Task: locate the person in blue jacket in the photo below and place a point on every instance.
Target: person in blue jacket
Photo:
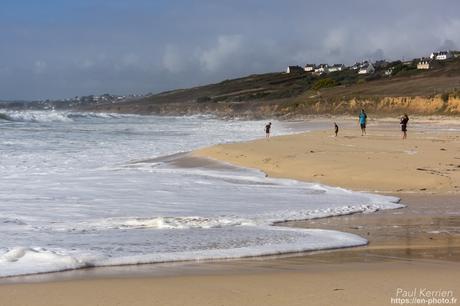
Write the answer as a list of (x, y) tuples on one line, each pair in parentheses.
[(362, 121)]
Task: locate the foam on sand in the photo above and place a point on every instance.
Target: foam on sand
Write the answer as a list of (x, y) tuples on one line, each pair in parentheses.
[(92, 191)]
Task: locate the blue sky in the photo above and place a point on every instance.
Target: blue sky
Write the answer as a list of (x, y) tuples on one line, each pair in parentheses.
[(59, 49)]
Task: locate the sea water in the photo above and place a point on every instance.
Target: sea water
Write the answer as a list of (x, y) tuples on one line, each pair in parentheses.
[(84, 189)]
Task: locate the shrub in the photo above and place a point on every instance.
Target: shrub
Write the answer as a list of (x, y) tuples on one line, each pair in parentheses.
[(324, 83), (445, 97), (203, 99)]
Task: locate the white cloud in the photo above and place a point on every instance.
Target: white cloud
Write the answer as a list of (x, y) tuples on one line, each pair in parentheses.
[(173, 60), (335, 39), (216, 57)]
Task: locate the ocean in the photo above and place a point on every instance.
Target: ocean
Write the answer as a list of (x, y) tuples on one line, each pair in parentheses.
[(84, 190)]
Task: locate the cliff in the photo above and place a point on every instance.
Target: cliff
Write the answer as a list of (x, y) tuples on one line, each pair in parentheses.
[(421, 92)]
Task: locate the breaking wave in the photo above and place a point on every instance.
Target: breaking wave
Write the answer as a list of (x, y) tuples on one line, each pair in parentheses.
[(53, 116)]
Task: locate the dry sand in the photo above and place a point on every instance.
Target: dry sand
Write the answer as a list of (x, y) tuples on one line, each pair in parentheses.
[(378, 162)]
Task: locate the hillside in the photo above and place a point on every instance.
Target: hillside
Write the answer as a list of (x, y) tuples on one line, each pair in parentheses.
[(434, 91)]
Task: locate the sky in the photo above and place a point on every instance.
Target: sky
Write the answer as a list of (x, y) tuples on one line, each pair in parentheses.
[(62, 48)]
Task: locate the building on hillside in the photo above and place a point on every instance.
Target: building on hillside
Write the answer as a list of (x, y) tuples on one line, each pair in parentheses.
[(336, 67), (366, 69), (309, 68), (443, 55), (389, 71), (355, 66), (294, 69), (322, 68), (424, 64)]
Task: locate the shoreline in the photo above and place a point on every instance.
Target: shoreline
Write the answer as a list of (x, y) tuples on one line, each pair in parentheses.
[(380, 162), (322, 278), (404, 245)]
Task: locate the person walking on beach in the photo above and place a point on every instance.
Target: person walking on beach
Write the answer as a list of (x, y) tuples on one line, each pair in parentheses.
[(362, 121), (267, 130), (336, 129), (403, 122)]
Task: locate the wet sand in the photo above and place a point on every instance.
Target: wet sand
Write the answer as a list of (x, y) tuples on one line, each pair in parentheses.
[(344, 284), (414, 247)]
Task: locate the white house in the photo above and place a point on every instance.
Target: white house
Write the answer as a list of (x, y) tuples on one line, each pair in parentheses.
[(443, 55), (322, 68), (424, 63), (389, 71), (294, 69), (309, 68), (336, 67), (433, 55), (356, 66), (366, 69)]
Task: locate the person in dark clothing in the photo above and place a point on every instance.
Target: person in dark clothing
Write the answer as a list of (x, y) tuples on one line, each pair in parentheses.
[(403, 122), (336, 129), (267, 129)]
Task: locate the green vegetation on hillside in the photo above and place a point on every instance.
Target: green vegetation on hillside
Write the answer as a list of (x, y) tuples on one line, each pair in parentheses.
[(302, 92)]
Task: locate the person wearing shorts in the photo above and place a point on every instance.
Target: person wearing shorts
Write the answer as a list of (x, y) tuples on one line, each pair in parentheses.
[(362, 121)]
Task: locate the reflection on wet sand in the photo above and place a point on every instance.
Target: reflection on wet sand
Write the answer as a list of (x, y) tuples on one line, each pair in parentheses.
[(428, 228)]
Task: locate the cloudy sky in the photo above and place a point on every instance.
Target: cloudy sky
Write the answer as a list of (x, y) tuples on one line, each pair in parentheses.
[(64, 48)]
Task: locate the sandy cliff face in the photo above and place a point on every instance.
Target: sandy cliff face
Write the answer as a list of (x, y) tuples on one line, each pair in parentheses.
[(438, 105), (418, 105)]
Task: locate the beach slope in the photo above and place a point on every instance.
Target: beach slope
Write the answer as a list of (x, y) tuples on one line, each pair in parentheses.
[(379, 162)]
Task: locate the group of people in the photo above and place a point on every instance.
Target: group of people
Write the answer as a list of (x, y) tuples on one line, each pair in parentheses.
[(362, 123)]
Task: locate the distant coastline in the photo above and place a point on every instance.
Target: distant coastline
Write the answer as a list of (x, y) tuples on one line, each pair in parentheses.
[(408, 88)]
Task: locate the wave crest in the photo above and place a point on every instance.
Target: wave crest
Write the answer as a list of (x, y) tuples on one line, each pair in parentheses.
[(52, 116)]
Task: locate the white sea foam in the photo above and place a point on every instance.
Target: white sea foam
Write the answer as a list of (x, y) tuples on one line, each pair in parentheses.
[(71, 196), (21, 261), (54, 116)]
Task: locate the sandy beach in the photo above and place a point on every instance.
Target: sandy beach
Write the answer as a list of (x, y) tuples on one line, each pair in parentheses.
[(415, 247), (426, 162)]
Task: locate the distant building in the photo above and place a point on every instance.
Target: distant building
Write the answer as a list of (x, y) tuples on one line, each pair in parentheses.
[(309, 67), (336, 67), (424, 63), (322, 68), (356, 66), (294, 69), (366, 69), (443, 55), (389, 71)]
